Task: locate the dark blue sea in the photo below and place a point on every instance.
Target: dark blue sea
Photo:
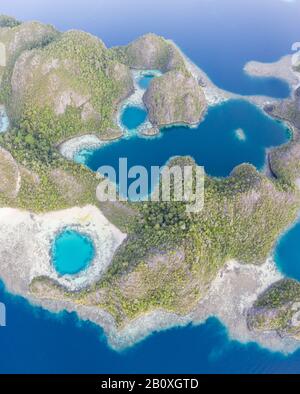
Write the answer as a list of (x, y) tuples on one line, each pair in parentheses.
[(214, 144), (220, 36)]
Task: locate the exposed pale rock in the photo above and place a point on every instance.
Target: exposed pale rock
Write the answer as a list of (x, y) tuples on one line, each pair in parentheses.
[(150, 132), (10, 179), (175, 98), (150, 52), (25, 36)]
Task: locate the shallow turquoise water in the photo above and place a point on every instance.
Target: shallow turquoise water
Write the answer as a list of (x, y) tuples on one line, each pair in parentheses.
[(287, 253), (72, 252), (213, 144), (132, 117), (145, 80)]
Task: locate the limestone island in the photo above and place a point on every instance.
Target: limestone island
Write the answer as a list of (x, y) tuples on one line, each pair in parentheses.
[(155, 265)]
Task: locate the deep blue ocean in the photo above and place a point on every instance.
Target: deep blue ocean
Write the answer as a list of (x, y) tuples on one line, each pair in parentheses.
[(220, 36)]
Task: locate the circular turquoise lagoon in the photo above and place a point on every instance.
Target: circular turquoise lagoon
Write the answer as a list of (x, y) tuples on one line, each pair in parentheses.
[(287, 253), (133, 116), (72, 252), (145, 80)]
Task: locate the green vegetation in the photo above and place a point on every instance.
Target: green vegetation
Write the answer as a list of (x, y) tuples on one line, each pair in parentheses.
[(285, 161), (18, 39), (56, 86), (175, 98), (9, 175), (171, 256), (282, 292), (150, 52), (277, 309), (68, 87), (8, 21)]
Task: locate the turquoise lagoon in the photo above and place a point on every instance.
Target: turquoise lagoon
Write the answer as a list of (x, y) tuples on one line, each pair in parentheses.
[(132, 117), (145, 80), (72, 252)]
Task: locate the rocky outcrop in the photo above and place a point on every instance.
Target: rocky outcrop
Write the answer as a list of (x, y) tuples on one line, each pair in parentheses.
[(74, 72), (15, 38), (10, 179), (286, 109), (284, 161), (277, 309), (150, 52), (153, 131), (19, 37), (8, 21), (174, 98)]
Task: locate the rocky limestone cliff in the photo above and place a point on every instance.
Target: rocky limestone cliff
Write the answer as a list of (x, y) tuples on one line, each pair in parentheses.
[(176, 97), (16, 37), (150, 52), (74, 72), (284, 161), (8, 21)]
